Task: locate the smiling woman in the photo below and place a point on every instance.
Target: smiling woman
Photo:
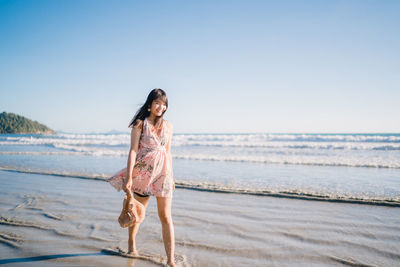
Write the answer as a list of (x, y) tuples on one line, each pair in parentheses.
[(156, 100), (149, 168)]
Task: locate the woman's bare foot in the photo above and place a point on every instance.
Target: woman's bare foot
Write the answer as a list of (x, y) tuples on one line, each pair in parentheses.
[(132, 249), (133, 252), (170, 264)]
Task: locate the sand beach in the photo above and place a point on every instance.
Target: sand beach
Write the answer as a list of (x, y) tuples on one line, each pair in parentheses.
[(59, 221)]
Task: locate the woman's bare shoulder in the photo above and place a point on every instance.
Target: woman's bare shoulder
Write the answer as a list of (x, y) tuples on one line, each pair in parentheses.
[(169, 125), (138, 125)]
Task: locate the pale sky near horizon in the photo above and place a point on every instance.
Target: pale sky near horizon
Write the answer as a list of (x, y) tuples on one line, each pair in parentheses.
[(227, 66)]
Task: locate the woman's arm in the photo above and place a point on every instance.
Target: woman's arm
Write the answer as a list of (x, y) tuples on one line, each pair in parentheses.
[(169, 149), (135, 137)]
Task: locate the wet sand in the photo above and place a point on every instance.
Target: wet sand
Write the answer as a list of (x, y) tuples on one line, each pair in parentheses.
[(52, 220)]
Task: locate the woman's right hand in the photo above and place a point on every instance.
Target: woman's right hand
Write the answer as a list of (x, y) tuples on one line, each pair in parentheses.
[(127, 186)]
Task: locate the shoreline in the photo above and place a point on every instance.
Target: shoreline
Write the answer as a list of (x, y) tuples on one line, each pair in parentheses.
[(207, 187)]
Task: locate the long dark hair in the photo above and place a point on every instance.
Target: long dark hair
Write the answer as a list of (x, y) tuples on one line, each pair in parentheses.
[(143, 112)]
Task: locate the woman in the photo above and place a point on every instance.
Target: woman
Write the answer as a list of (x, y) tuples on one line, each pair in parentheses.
[(149, 167)]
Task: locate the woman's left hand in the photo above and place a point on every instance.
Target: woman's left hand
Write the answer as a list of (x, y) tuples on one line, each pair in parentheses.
[(127, 186)]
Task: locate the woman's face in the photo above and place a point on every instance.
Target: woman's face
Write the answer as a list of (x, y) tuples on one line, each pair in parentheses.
[(158, 107)]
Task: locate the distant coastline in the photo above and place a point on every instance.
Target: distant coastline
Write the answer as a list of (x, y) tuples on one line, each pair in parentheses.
[(11, 123)]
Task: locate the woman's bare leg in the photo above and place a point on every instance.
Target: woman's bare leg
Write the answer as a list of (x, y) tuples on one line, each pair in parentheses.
[(164, 212), (133, 230)]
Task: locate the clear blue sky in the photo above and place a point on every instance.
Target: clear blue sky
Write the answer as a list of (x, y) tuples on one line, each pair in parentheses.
[(227, 66)]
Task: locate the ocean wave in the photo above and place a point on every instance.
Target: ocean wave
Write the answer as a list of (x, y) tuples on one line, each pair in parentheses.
[(203, 139), (222, 188), (292, 145), (310, 161), (381, 138), (97, 145), (108, 140), (117, 145), (94, 151), (73, 151), (273, 157)]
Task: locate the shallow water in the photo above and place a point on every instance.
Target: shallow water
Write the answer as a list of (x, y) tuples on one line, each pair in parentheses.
[(73, 221), (359, 185), (362, 167)]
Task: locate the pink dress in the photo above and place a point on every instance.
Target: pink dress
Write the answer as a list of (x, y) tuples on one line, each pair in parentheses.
[(152, 173)]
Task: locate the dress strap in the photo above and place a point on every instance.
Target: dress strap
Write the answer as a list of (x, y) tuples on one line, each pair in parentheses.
[(146, 123)]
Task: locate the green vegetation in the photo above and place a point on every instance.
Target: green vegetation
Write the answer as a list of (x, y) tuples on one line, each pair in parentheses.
[(11, 123)]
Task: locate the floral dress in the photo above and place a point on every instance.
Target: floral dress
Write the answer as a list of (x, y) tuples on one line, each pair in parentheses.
[(152, 173)]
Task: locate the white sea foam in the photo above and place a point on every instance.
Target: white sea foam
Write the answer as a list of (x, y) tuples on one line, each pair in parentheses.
[(297, 160), (268, 159), (363, 142), (355, 150), (94, 151), (395, 138), (292, 145), (72, 139)]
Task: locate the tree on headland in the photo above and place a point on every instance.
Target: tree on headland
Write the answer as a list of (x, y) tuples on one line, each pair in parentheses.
[(11, 123)]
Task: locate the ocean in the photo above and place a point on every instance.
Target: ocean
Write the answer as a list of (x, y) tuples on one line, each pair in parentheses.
[(334, 167), (240, 200)]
